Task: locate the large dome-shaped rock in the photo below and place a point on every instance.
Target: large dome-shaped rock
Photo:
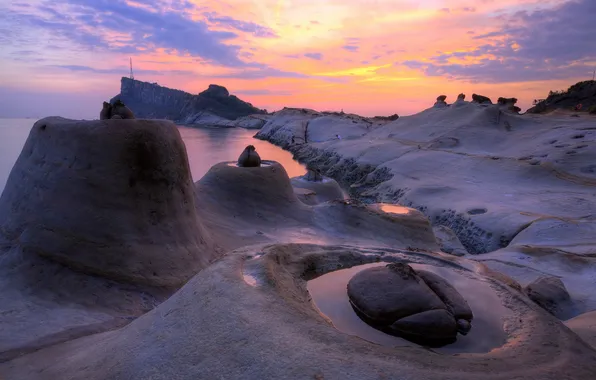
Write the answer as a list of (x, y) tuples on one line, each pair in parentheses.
[(550, 293), (112, 198), (421, 307), (250, 191)]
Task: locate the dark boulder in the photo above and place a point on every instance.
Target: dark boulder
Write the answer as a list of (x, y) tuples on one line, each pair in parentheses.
[(419, 306), (481, 99)]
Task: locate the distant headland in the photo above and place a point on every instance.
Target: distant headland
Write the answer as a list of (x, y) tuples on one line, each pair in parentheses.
[(152, 101)]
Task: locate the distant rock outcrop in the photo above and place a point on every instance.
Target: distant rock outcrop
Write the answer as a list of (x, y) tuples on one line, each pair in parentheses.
[(581, 95), (152, 101), (481, 99), (440, 103)]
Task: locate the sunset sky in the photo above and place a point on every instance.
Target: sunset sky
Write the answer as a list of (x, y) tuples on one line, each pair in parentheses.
[(372, 57)]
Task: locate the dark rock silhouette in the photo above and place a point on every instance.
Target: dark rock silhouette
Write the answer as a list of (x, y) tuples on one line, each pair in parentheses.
[(106, 111), (152, 101), (121, 111), (249, 158), (481, 99), (581, 93)]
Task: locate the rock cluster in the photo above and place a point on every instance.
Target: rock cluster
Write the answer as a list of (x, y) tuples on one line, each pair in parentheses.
[(118, 110), (481, 99), (416, 305)]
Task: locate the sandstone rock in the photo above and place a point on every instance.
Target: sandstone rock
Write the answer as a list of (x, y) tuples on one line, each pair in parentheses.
[(419, 306), (584, 325), (219, 327), (386, 294), (433, 325), (461, 96), (249, 158), (120, 109), (105, 200), (448, 241), (481, 99), (441, 98), (550, 293), (320, 189), (456, 304)]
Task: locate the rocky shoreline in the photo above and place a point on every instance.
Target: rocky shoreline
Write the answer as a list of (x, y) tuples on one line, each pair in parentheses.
[(115, 265), (499, 189)]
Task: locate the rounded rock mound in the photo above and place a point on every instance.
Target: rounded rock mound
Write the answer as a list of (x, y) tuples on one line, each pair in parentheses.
[(112, 198), (418, 306)]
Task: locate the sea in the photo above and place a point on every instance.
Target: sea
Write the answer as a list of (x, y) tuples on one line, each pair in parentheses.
[(205, 146)]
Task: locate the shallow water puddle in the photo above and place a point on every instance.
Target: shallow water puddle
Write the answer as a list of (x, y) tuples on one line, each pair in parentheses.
[(329, 294), (395, 209), (264, 164)]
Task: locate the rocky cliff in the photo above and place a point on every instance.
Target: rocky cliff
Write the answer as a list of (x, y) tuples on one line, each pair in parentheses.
[(152, 101), (583, 93)]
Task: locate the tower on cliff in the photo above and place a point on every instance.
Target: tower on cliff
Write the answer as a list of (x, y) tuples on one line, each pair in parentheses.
[(131, 74)]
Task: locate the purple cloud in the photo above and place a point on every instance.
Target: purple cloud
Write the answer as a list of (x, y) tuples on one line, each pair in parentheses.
[(554, 43), (87, 23), (316, 56), (243, 26)]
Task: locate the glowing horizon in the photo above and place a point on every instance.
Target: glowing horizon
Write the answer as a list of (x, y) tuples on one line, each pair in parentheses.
[(367, 57)]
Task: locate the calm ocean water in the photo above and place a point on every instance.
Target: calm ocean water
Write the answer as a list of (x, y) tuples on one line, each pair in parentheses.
[(205, 147)]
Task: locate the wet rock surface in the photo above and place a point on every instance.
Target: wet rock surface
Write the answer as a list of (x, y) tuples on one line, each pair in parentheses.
[(419, 306)]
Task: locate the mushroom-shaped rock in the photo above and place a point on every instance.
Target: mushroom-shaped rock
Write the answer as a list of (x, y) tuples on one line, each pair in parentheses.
[(461, 96), (109, 201), (440, 103), (396, 299), (550, 293), (249, 158), (481, 99), (120, 109), (507, 101)]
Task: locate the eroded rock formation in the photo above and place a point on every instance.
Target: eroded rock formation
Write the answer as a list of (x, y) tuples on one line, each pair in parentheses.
[(419, 306)]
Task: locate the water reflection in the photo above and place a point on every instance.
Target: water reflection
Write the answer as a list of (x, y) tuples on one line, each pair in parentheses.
[(205, 146), (209, 146), (329, 293), (395, 209)]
